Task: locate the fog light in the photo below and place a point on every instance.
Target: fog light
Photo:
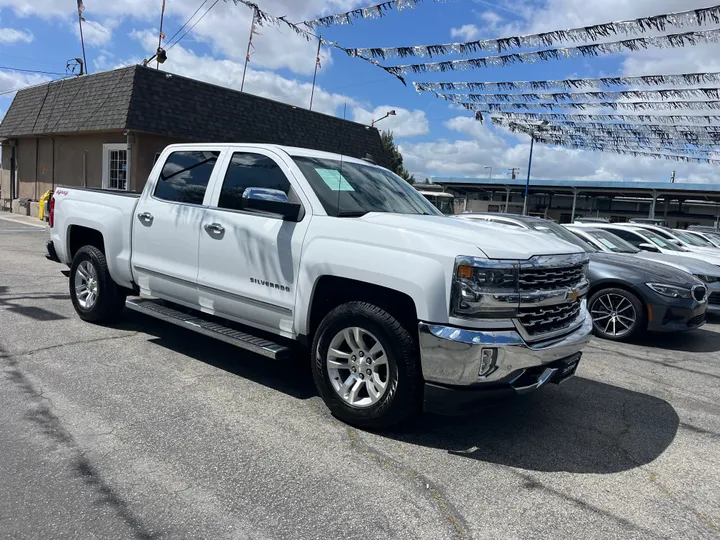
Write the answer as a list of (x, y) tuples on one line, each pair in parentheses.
[(488, 359)]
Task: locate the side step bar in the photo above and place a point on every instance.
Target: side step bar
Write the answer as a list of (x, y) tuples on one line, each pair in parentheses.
[(154, 308)]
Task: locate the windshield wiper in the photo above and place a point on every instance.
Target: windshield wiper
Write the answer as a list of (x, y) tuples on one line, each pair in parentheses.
[(357, 213)]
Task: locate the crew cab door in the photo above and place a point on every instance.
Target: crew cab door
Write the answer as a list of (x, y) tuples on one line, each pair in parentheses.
[(249, 260), (167, 224)]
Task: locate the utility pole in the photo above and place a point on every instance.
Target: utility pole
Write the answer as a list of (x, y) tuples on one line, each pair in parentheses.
[(672, 178), (513, 172)]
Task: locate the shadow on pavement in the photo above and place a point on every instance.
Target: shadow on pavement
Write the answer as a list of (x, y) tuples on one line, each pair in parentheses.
[(700, 341), (583, 426), (293, 379)]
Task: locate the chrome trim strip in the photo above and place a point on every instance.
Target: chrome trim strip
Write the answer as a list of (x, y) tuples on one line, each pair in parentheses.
[(232, 296), (542, 379)]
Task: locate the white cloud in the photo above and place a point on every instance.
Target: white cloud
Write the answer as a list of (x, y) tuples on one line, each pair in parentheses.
[(13, 35), (467, 32), (263, 83), (403, 124), (96, 33), (14, 80)]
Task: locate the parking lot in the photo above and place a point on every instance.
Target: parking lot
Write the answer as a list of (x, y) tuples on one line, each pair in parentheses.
[(142, 431)]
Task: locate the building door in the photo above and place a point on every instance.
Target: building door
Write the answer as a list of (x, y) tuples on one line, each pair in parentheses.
[(115, 173)]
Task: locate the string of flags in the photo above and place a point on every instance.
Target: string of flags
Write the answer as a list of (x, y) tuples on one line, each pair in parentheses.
[(690, 18), (370, 12), (632, 118), (613, 105)]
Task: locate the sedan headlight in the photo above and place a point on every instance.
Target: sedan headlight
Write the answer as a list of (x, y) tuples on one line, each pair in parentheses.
[(483, 288), (671, 291)]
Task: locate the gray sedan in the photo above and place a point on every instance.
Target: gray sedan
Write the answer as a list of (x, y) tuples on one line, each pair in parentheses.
[(608, 242)]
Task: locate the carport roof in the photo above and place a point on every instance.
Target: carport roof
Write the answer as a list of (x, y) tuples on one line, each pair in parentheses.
[(702, 191)]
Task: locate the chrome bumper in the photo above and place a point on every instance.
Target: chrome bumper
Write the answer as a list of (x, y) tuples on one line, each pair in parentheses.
[(454, 356)]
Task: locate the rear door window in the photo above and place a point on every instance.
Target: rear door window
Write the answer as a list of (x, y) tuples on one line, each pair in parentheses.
[(185, 176)]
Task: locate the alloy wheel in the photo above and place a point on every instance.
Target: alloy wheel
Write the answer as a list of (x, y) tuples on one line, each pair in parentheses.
[(358, 367), (613, 314), (86, 284)]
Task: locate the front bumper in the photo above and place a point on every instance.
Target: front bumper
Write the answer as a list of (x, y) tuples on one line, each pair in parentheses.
[(454, 358), (677, 315)]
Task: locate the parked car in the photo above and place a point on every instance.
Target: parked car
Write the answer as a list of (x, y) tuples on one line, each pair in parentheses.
[(648, 240), (682, 239), (591, 220), (627, 295), (649, 221), (712, 237), (269, 247), (608, 242)]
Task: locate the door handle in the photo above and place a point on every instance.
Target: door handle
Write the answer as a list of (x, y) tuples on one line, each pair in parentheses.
[(214, 228), (145, 216)]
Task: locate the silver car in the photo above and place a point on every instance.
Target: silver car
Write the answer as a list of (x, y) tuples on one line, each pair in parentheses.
[(608, 242)]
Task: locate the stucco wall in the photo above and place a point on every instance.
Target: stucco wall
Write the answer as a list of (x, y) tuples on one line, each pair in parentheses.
[(145, 147)]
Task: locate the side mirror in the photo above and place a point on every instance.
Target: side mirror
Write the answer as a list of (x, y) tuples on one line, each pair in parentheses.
[(271, 201), (649, 247)]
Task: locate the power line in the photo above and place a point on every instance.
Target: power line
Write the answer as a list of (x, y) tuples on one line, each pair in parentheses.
[(186, 22), (193, 26), (32, 71), (27, 87)]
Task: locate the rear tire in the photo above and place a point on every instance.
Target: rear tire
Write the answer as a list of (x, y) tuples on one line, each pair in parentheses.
[(618, 314), (95, 296), (371, 376)]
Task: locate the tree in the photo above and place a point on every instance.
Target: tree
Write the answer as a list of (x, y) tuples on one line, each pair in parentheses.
[(395, 157)]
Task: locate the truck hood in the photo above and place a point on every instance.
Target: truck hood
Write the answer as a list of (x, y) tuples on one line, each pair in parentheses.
[(495, 241)]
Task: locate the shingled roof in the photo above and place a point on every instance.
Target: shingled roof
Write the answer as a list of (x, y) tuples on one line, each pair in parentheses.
[(147, 100)]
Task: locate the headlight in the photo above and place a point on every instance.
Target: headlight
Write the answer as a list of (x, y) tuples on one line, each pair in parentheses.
[(483, 288), (671, 291), (707, 279)]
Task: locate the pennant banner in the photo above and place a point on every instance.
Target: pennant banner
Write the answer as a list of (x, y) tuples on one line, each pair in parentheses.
[(621, 149), (684, 19), (370, 12), (594, 49), (631, 118), (690, 134), (613, 105), (688, 79), (557, 97)]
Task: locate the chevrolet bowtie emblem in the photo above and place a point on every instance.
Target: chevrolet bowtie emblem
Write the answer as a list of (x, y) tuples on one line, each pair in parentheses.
[(573, 295)]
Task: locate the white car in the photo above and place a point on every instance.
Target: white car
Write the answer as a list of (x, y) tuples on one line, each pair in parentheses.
[(648, 240), (712, 237), (609, 242), (278, 250), (681, 238)]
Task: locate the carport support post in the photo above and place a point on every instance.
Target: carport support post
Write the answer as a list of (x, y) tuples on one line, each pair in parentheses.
[(651, 215), (572, 214), (507, 198)]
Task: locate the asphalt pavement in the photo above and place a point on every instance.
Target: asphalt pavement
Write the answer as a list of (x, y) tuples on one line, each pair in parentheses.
[(141, 430)]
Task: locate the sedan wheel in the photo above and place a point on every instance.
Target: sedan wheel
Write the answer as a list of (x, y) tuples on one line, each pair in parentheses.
[(617, 314)]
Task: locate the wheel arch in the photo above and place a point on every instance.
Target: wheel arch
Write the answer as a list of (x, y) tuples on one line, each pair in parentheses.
[(614, 284)]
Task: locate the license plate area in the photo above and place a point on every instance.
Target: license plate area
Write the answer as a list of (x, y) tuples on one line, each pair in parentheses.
[(566, 368)]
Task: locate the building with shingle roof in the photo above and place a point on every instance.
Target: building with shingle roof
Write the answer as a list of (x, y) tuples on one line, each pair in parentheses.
[(106, 129)]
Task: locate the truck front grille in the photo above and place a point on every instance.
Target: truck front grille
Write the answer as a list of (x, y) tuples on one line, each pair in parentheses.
[(544, 279), (537, 321)]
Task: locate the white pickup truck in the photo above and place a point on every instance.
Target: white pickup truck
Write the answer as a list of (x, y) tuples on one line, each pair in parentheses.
[(265, 246)]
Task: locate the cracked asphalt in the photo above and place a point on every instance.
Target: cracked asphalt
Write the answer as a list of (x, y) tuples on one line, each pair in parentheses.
[(142, 431)]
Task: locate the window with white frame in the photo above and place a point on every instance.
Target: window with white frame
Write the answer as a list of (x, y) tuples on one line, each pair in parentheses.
[(115, 173)]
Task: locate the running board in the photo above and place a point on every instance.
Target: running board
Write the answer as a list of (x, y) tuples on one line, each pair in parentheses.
[(257, 345)]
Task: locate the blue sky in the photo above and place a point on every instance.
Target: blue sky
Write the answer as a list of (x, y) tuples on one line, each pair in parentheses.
[(435, 138)]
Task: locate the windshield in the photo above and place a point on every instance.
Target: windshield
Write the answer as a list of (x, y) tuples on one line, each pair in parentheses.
[(562, 233), (348, 189), (662, 242), (445, 205), (692, 239), (714, 238), (613, 242)]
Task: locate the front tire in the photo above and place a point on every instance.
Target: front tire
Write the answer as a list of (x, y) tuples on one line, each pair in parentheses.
[(366, 366), (618, 315), (95, 296)]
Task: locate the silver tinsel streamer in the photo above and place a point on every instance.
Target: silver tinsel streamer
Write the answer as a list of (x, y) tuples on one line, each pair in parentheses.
[(696, 135), (684, 19), (594, 49), (599, 147), (613, 105), (588, 97), (371, 12), (632, 118), (687, 79)]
